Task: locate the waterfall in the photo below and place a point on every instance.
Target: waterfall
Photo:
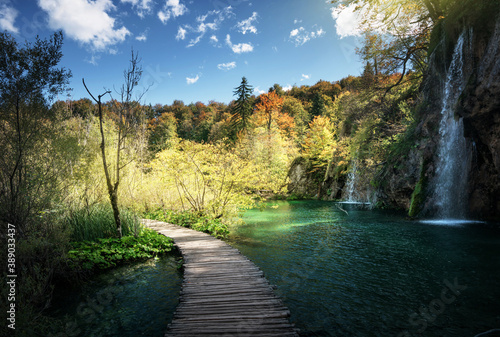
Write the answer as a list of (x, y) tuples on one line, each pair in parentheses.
[(355, 191), (450, 182), (351, 196)]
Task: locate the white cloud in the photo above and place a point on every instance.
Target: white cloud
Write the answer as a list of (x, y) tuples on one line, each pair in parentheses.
[(8, 16), (227, 66), (86, 22), (300, 35), (305, 77), (246, 26), (172, 8), (143, 7), (297, 21), (287, 88), (347, 21), (260, 92), (202, 26), (351, 21), (93, 60), (240, 47), (295, 32), (317, 33), (191, 80), (181, 34), (143, 37)]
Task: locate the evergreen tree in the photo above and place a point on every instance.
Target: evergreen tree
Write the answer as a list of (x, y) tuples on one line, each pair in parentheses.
[(243, 107)]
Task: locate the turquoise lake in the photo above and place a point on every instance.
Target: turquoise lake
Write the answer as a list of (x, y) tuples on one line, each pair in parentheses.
[(344, 270)]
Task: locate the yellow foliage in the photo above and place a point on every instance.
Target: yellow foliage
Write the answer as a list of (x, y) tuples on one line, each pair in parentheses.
[(205, 178)]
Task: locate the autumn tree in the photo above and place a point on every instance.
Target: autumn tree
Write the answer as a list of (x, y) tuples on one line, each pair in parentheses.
[(161, 129), (29, 79), (82, 107), (184, 116), (243, 106), (293, 107), (208, 179), (318, 145), (270, 105), (127, 117)]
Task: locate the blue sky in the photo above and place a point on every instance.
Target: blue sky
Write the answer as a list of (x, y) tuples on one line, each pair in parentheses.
[(192, 50)]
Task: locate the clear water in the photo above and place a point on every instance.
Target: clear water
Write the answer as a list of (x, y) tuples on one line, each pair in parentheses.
[(129, 301), (360, 272)]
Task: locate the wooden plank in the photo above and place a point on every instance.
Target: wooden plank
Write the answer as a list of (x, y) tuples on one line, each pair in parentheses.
[(223, 292), (217, 290), (262, 305), (232, 316)]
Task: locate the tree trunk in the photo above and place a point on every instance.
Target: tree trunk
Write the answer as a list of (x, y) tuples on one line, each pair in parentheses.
[(434, 9), (113, 198)]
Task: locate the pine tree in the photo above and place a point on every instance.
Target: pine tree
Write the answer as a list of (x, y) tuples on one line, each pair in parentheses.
[(243, 107)]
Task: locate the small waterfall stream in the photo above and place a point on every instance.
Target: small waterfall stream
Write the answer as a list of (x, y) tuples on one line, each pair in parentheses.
[(450, 182), (351, 195), (355, 191)]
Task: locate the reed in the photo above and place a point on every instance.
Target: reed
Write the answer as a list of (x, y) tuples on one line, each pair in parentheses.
[(95, 222)]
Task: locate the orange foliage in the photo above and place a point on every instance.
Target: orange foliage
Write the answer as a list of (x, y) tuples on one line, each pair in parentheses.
[(270, 104), (286, 124)]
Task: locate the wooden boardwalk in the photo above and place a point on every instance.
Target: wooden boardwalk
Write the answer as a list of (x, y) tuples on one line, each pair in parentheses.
[(223, 293)]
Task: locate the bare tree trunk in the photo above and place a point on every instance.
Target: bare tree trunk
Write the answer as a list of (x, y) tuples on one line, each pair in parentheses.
[(112, 190), (125, 125)]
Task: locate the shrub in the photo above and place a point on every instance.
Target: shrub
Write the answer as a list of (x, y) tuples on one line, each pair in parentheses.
[(110, 252), (189, 219)]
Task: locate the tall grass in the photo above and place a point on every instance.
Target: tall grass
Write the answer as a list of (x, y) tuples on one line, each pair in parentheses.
[(97, 221)]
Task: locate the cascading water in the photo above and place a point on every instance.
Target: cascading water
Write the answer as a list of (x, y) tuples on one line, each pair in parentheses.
[(355, 191), (351, 195), (450, 182)]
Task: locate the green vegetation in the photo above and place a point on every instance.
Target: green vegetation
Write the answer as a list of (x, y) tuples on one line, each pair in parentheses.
[(97, 222), (188, 219), (107, 253)]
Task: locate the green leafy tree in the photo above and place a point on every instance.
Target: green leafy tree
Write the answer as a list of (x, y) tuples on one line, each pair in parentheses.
[(162, 129), (293, 107), (277, 89), (243, 106), (29, 79)]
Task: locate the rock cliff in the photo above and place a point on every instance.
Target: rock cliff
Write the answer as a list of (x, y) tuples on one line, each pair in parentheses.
[(479, 106), (407, 184)]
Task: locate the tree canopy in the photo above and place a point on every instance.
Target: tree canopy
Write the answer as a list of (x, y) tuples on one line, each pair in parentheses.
[(29, 78)]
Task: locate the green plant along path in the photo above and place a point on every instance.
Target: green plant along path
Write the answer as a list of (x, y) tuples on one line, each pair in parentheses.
[(107, 253)]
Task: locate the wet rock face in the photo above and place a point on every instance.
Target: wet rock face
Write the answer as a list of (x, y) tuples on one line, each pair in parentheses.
[(302, 183), (480, 108)]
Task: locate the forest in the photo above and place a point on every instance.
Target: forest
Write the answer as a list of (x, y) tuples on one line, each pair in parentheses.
[(77, 175)]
